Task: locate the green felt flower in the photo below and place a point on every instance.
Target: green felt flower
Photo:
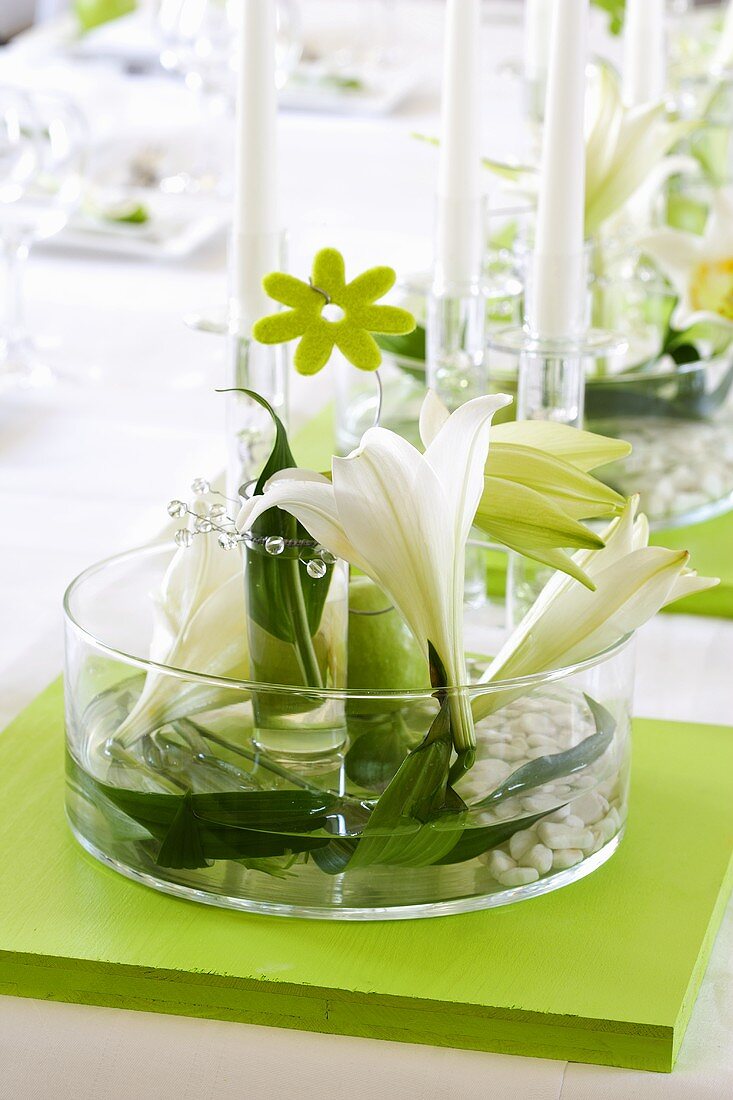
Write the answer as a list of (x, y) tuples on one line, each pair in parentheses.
[(330, 312)]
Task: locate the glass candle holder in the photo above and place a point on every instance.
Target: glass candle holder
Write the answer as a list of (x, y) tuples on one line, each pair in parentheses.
[(195, 806), (249, 427)]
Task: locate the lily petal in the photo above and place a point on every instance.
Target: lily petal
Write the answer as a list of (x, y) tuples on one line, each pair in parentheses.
[(311, 500), (458, 455), (581, 494), (584, 450), (676, 252)]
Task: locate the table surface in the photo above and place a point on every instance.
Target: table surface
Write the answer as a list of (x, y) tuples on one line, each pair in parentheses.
[(86, 469)]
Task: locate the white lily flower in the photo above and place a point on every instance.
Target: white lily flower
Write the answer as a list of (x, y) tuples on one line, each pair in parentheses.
[(699, 267), (200, 626), (722, 59), (625, 149), (537, 487), (403, 518), (568, 623)]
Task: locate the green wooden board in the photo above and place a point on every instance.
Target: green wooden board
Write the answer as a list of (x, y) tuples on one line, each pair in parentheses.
[(604, 971), (709, 543)]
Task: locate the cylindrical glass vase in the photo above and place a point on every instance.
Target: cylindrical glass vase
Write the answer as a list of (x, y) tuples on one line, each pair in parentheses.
[(297, 618), (195, 806)]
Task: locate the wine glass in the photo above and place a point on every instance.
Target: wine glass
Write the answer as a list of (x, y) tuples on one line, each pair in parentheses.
[(42, 153), (198, 41)]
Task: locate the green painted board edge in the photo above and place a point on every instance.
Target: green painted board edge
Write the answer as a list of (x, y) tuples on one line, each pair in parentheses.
[(90, 936), (710, 543)]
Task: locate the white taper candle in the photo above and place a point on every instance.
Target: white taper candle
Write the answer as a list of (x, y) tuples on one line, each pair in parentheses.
[(558, 274), (255, 228), (645, 52), (537, 24), (458, 246)]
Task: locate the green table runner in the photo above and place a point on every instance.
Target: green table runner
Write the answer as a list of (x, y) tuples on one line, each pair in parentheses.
[(603, 971)]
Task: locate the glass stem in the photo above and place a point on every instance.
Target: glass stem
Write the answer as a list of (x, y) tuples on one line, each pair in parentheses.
[(456, 336), (15, 251), (302, 640)]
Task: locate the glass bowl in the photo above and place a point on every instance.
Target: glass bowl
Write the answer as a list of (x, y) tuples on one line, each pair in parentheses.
[(172, 789)]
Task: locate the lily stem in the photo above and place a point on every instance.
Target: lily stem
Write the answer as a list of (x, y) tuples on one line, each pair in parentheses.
[(464, 734), (298, 614)]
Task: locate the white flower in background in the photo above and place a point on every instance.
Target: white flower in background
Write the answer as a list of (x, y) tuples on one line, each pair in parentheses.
[(199, 626), (700, 268), (626, 149), (568, 623), (403, 518), (722, 58)]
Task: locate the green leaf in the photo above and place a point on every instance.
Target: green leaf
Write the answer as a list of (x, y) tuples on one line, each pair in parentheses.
[(335, 857), (474, 842), (533, 525), (546, 769), (195, 829), (182, 845), (410, 346), (283, 599), (418, 818)]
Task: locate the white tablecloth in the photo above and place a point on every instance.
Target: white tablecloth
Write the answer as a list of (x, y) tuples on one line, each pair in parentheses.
[(86, 470)]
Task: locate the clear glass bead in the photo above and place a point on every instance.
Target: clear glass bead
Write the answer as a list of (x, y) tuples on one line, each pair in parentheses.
[(227, 541), (177, 508), (316, 568), (183, 537), (203, 525), (326, 556), (275, 545), (216, 511), (200, 486)]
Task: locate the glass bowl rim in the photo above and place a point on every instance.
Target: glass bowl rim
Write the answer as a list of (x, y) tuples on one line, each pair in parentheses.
[(247, 686)]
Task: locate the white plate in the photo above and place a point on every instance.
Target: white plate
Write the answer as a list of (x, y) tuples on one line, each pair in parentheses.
[(177, 227)]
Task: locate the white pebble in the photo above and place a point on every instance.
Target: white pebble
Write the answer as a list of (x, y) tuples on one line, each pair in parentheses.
[(521, 842), (560, 836), (516, 751), (563, 858), (537, 803), (538, 857), (511, 751), (518, 876), (590, 807), (538, 740), (537, 724), (559, 815), (583, 781), (572, 821), (499, 862)]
